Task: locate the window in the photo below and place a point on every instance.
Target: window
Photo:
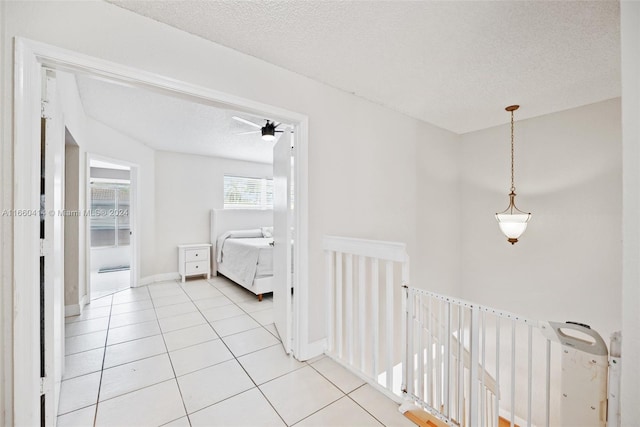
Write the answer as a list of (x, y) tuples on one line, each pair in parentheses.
[(109, 215), (248, 193)]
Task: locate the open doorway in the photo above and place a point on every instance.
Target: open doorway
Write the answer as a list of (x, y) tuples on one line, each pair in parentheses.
[(110, 230), (40, 56)]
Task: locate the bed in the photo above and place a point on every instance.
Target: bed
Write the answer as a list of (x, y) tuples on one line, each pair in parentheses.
[(241, 252)]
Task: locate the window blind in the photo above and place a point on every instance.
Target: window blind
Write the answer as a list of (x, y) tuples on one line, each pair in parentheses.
[(247, 193)]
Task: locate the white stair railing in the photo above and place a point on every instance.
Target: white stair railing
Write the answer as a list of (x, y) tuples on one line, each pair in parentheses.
[(466, 364), (366, 313)]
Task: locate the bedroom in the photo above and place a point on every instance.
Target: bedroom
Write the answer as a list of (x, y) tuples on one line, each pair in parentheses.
[(201, 168), (421, 164)]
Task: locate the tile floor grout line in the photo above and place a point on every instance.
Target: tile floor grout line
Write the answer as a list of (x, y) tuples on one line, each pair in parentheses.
[(345, 393), (363, 408), (175, 376), (235, 357), (104, 356), (242, 367), (315, 412)]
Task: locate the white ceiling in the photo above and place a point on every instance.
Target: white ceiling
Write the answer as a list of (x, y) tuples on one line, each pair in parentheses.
[(166, 123), (455, 64)]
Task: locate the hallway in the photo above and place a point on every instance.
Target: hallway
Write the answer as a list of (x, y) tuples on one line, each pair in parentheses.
[(203, 353)]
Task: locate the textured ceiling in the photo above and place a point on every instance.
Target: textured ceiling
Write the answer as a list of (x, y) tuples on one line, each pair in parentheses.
[(454, 64), (172, 124)]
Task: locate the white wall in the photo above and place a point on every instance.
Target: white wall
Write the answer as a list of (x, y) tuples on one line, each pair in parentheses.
[(108, 142), (187, 188), (436, 261), (362, 156), (75, 258), (630, 32), (567, 265)]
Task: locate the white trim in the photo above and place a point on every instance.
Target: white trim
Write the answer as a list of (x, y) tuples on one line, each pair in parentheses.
[(135, 219), (72, 310), (26, 237), (75, 309), (30, 57), (314, 349), (156, 278), (389, 251)]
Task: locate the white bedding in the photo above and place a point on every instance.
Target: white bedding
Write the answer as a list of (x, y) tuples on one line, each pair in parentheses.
[(247, 258)]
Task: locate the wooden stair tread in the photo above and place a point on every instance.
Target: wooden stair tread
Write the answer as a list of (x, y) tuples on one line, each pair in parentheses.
[(503, 422), (424, 419)]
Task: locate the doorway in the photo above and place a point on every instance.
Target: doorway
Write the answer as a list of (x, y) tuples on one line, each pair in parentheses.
[(110, 227), (32, 58)]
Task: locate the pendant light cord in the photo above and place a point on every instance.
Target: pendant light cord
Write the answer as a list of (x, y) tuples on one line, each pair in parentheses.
[(513, 186)]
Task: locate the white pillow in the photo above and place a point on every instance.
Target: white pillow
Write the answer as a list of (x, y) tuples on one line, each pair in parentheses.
[(244, 234), (267, 232)]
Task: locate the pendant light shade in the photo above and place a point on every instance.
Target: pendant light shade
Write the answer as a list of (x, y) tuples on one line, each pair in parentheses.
[(512, 221)]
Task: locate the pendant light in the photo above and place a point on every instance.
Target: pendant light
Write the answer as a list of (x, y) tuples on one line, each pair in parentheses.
[(512, 221)]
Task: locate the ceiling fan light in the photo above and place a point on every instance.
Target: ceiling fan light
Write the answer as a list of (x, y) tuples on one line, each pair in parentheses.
[(269, 132)]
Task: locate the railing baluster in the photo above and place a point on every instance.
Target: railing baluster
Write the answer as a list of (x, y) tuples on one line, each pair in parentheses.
[(408, 357), (330, 279), (389, 323), (548, 391), (375, 330), (496, 403), (349, 306), (447, 355), (362, 310), (421, 351), (439, 358), (530, 372), (339, 308), (406, 375), (483, 403), (460, 363), (430, 355), (513, 372), (474, 347)]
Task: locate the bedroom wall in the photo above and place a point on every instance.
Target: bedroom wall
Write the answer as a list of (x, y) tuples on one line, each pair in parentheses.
[(187, 188), (94, 137), (567, 265)]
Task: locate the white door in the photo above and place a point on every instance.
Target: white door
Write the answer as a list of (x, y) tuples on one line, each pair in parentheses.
[(52, 255), (282, 221)]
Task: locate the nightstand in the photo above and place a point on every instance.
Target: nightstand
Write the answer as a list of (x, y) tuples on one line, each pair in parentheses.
[(194, 260)]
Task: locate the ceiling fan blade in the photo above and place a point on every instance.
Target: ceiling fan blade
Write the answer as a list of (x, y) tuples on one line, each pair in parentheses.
[(246, 122), (248, 133)]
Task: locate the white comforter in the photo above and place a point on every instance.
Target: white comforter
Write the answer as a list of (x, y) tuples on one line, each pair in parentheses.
[(247, 258)]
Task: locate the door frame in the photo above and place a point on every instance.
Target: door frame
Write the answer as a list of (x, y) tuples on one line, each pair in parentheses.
[(134, 220), (30, 57)]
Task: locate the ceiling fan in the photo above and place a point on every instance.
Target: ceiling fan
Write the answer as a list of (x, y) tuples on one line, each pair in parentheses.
[(268, 131)]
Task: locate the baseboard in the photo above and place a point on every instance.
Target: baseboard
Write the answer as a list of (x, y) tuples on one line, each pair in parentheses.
[(312, 349), (158, 278), (72, 310), (75, 309)]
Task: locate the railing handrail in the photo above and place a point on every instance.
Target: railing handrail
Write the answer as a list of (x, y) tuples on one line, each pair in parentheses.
[(464, 303), (391, 251)]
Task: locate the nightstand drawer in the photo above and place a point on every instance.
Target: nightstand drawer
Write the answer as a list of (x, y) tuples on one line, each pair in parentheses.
[(197, 267), (196, 255)]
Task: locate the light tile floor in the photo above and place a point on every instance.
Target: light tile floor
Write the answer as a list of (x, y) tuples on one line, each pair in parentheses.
[(202, 353)]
